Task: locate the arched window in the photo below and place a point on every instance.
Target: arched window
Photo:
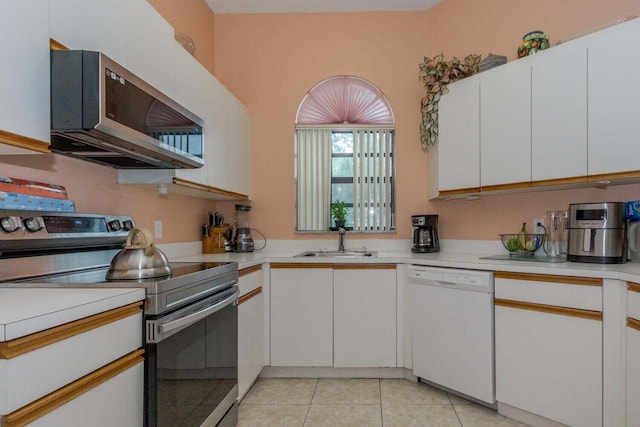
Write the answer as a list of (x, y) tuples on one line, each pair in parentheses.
[(344, 153)]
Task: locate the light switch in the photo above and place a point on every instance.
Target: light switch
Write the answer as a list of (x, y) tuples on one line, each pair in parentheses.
[(157, 229)]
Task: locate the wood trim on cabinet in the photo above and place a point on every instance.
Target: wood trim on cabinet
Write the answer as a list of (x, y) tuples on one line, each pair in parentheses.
[(249, 270), (551, 309), (364, 266), (559, 181), (459, 192), (633, 323), (502, 187), (246, 297), (633, 287), (22, 345), (210, 189), (22, 141), (569, 280), (300, 265), (54, 400), (56, 45), (614, 176)]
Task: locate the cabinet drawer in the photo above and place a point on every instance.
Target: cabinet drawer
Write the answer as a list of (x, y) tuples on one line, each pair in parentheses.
[(250, 278), (109, 396), (71, 351), (563, 291)]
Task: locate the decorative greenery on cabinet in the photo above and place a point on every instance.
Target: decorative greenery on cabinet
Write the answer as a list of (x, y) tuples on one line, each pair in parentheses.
[(435, 73)]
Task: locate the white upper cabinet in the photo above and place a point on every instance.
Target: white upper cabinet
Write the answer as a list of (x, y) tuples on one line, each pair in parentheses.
[(149, 46), (559, 114), (458, 150), (100, 26), (24, 75), (217, 135), (505, 126), (191, 93), (614, 94), (240, 147)]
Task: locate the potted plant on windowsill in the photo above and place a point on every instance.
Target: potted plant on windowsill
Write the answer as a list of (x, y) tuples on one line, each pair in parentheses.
[(339, 213)]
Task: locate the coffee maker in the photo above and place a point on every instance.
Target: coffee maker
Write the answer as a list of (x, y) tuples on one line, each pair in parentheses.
[(242, 241), (425, 233)]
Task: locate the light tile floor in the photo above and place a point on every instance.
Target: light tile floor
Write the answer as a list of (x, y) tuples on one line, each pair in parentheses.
[(360, 402)]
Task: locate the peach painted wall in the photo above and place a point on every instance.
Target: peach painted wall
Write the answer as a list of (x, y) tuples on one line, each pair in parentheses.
[(270, 61), (94, 188), (194, 19)]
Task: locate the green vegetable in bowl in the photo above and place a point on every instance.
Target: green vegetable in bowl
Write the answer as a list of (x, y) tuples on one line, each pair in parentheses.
[(513, 244)]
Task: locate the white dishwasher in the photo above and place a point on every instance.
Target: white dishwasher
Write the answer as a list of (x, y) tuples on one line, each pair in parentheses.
[(452, 319)]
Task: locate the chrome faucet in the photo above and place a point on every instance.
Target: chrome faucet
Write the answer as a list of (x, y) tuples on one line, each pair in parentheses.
[(341, 233)]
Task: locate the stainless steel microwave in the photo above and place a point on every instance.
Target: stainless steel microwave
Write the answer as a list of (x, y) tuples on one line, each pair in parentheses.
[(102, 113)]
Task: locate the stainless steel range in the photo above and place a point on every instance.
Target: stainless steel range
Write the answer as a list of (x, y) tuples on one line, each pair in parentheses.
[(191, 363)]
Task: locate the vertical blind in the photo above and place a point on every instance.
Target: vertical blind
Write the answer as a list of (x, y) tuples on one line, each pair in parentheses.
[(372, 178), (313, 173)]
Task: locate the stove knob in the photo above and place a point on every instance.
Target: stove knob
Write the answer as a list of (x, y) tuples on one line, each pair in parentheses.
[(128, 225), (115, 225), (33, 224), (10, 224)]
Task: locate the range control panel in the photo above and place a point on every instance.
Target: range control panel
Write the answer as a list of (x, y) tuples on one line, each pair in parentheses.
[(34, 230)]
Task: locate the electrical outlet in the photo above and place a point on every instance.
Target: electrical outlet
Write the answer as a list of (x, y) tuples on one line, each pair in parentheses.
[(157, 229), (537, 229)]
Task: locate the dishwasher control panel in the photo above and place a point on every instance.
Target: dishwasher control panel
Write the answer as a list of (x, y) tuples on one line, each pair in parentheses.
[(467, 279)]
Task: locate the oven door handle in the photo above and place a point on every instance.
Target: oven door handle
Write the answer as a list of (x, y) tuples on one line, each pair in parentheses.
[(167, 328)]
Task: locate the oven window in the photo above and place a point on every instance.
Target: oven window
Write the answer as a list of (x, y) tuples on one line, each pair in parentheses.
[(190, 373)]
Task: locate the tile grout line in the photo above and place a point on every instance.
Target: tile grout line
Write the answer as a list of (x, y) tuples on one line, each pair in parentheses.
[(315, 389)]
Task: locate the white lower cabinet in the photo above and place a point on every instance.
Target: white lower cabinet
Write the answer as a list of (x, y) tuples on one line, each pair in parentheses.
[(87, 372), (301, 315), (333, 315), (250, 328), (633, 355), (116, 402), (364, 315), (548, 339)]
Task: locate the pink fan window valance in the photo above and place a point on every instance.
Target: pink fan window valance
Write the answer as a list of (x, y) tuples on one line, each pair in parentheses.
[(344, 100)]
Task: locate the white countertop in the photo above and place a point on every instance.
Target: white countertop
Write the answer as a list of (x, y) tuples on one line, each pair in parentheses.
[(628, 271), (24, 311)]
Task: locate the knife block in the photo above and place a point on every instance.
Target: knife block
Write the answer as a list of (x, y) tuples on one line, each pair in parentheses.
[(214, 244)]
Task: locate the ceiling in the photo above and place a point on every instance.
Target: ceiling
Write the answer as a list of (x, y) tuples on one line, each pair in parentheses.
[(315, 6)]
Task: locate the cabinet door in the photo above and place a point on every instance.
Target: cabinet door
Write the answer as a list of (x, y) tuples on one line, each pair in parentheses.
[(633, 374), (505, 127), (301, 316), (614, 90), (97, 26), (149, 45), (559, 115), (459, 136), (240, 147), (24, 75), (549, 365), (364, 302), (191, 91), (250, 341), (216, 138), (116, 402)]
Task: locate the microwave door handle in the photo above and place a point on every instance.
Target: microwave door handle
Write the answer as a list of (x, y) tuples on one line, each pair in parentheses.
[(185, 321), (586, 240)]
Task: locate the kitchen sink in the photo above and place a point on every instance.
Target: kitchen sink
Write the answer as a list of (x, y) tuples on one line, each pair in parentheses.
[(339, 254)]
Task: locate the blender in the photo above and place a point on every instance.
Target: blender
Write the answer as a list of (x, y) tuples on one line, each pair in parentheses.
[(242, 241)]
